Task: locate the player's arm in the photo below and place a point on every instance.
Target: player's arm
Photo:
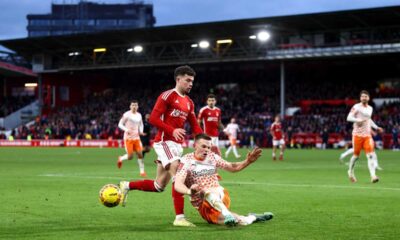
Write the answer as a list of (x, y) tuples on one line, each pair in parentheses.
[(226, 131), (141, 126), (352, 118), (374, 126), (180, 179), (199, 117), (121, 124), (239, 166), (196, 129), (271, 130), (221, 126), (155, 116)]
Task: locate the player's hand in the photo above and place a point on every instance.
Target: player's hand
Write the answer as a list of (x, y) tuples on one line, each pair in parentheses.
[(254, 155), (179, 134), (380, 130), (143, 134), (195, 189)]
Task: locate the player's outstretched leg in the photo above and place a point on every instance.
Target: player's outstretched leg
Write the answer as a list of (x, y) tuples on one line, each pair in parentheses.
[(372, 164), (263, 217), (216, 202), (345, 154), (123, 158), (179, 203), (350, 172), (142, 185)]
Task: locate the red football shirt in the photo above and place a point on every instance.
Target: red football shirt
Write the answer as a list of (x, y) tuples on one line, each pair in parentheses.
[(170, 112), (276, 129), (210, 117)]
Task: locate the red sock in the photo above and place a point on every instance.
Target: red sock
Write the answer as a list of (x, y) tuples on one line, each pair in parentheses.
[(143, 185), (179, 201)]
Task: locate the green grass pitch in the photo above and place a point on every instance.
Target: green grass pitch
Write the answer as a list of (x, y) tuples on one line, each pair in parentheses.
[(52, 193)]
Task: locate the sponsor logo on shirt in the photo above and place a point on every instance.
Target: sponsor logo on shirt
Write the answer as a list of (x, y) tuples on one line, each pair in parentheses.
[(212, 119), (179, 113)]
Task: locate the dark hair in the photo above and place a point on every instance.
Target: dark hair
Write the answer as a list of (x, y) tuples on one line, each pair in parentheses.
[(211, 96), (364, 92), (182, 70), (134, 101), (202, 136)]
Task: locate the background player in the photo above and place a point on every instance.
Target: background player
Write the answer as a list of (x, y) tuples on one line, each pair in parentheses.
[(197, 177), (132, 125), (350, 151), (210, 118), (172, 109), (360, 115), (232, 130), (277, 138)]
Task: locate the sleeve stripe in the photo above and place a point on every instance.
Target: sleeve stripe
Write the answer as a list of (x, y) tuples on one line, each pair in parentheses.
[(166, 94)]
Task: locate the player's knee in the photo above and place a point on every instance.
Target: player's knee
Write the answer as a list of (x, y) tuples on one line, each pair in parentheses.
[(371, 155)]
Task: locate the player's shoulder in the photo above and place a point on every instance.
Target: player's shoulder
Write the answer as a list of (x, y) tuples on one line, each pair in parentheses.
[(189, 99), (166, 94), (357, 105), (203, 109), (187, 157), (127, 113), (214, 156)]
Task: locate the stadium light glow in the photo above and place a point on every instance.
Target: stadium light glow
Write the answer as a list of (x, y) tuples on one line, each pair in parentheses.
[(31, 84), (194, 45), (204, 44), (99, 50), (253, 37), (263, 36), (138, 49), (74, 54), (224, 41)]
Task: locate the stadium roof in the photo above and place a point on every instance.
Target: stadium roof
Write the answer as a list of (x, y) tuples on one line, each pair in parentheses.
[(294, 36), (321, 22), (10, 70)]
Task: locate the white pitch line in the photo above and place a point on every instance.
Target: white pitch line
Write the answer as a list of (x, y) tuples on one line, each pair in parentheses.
[(238, 183), (310, 185)]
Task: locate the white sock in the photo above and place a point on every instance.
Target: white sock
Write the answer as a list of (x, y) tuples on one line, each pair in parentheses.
[(352, 163), (235, 151), (215, 201), (372, 163), (180, 216), (347, 152), (141, 165), (124, 157), (246, 220), (273, 154), (228, 151)]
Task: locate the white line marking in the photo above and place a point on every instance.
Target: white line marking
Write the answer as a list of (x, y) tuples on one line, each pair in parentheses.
[(237, 183), (310, 185)]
